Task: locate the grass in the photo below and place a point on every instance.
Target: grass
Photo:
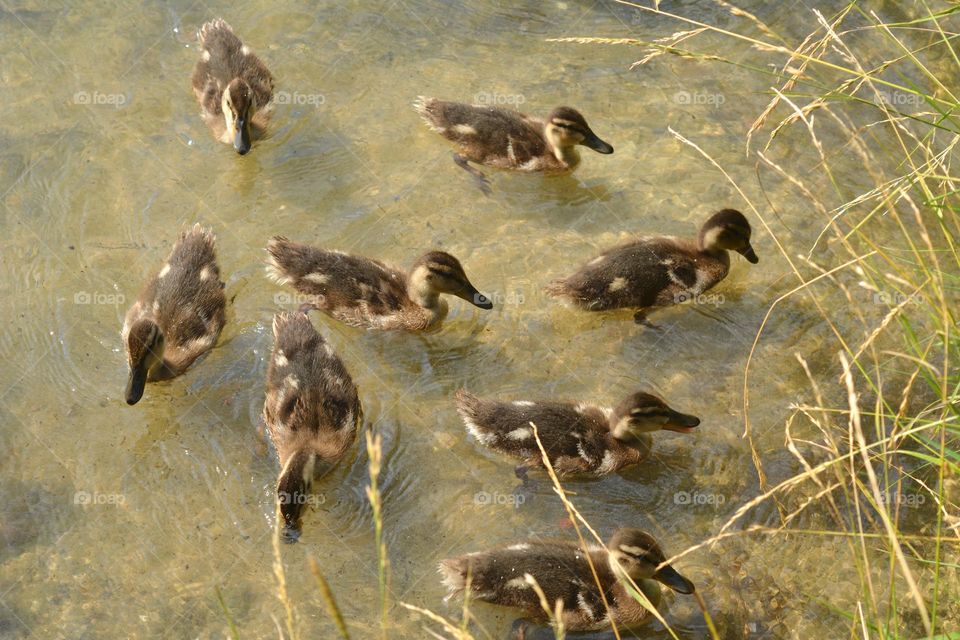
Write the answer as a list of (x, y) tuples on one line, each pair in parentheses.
[(875, 100)]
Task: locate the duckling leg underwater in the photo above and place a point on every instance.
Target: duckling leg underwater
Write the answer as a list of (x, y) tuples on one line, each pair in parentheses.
[(481, 179)]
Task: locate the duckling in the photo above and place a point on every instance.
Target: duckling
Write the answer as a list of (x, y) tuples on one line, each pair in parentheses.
[(367, 293), (658, 271), (507, 139), (578, 438), (561, 568), (178, 316), (233, 86), (311, 409)]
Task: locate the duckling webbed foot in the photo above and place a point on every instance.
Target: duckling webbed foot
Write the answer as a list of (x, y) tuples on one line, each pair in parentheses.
[(481, 179), (640, 317)]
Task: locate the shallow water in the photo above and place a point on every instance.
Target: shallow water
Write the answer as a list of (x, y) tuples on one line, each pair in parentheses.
[(121, 521)]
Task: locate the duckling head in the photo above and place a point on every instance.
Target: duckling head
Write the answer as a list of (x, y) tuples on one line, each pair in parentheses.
[(728, 229), (439, 272), (239, 106), (566, 128), (643, 413), (144, 353), (637, 554), (295, 489)]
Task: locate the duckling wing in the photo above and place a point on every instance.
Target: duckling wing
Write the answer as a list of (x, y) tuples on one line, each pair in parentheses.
[(187, 297), (645, 273), (353, 288), (486, 135), (559, 568), (571, 435)]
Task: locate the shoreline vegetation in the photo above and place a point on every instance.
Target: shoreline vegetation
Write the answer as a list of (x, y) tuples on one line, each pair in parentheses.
[(875, 435)]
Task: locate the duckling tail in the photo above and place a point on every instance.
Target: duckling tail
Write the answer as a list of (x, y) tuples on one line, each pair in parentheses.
[(454, 572)]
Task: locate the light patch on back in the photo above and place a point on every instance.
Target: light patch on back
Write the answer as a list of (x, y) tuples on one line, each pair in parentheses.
[(245, 50), (206, 56), (317, 278), (597, 260), (523, 546), (483, 437), (608, 464), (164, 271), (464, 129), (280, 359), (291, 381), (524, 403), (517, 583), (520, 434), (206, 273), (586, 608), (617, 284)]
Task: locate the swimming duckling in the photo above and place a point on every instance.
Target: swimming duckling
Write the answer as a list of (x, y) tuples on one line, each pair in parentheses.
[(507, 139), (311, 409), (178, 316), (658, 271), (367, 293), (563, 572), (578, 438), (233, 86)]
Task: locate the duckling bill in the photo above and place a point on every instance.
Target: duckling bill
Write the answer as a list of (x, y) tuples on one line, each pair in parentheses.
[(178, 315), (563, 572), (234, 87), (368, 293), (507, 139), (658, 271), (580, 439), (312, 411)]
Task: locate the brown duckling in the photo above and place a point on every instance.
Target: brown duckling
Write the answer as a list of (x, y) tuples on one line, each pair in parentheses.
[(178, 315), (658, 271), (498, 576), (312, 412), (507, 139), (579, 439), (367, 293), (233, 86)]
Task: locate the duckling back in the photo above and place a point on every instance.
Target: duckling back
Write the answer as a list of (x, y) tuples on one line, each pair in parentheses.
[(311, 398)]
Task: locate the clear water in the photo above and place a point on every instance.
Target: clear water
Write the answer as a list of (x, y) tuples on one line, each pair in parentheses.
[(120, 521)]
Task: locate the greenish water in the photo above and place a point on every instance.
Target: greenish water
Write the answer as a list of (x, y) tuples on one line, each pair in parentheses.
[(104, 159)]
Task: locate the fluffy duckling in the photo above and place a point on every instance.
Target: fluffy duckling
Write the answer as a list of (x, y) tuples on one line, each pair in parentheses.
[(658, 271), (563, 572), (233, 87), (579, 439), (367, 293), (311, 409), (178, 316), (507, 139)]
